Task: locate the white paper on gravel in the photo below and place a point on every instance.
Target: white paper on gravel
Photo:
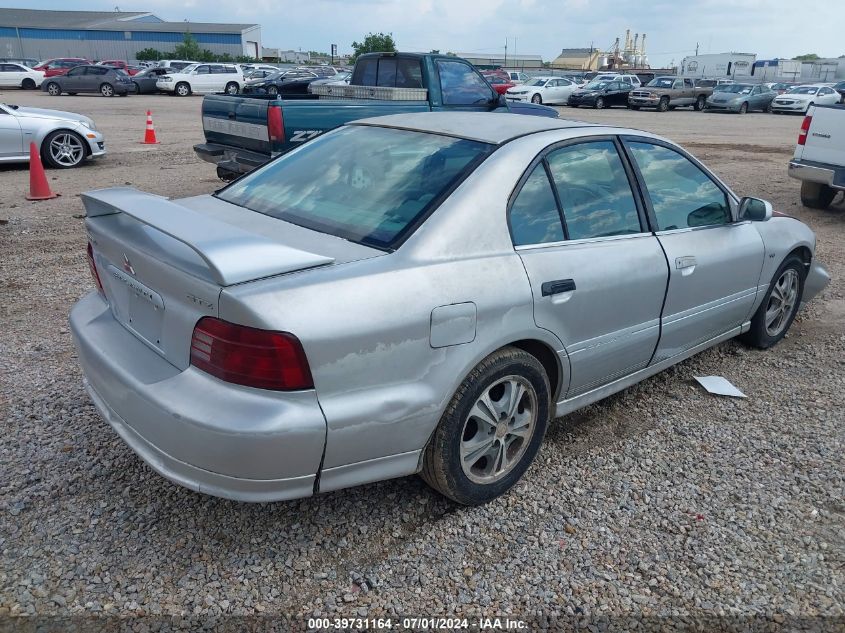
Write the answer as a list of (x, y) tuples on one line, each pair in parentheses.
[(719, 386)]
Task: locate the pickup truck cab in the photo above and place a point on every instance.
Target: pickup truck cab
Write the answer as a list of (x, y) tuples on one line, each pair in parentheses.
[(668, 93), (819, 158), (243, 132)]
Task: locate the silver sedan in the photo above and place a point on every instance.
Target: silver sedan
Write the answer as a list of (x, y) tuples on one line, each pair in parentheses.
[(65, 139), (418, 293)]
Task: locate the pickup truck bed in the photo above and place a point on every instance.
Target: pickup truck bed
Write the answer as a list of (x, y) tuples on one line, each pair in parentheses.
[(819, 158)]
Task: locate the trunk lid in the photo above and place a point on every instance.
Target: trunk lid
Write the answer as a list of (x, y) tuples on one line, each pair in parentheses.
[(163, 263)]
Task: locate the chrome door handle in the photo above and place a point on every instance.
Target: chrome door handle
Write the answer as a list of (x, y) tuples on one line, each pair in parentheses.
[(685, 264)]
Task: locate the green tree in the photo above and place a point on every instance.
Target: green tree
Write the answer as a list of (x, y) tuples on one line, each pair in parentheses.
[(809, 57), (373, 43), (149, 55), (188, 49)]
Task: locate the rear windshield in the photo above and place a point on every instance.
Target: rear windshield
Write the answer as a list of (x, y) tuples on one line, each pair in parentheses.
[(369, 185)]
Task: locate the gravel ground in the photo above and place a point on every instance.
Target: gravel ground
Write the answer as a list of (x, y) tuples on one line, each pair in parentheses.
[(661, 500)]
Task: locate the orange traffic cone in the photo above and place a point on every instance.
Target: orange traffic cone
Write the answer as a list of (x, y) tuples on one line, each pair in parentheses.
[(39, 188), (150, 133)]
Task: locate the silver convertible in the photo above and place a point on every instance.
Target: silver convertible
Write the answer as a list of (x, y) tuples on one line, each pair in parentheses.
[(64, 139), (418, 293)]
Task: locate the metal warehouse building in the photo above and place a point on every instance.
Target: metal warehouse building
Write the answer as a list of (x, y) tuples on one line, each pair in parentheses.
[(29, 33)]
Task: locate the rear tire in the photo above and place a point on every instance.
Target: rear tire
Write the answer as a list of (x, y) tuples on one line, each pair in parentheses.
[(136, 87), (107, 90), (491, 430), (816, 195), (28, 84), (776, 313), (663, 104)]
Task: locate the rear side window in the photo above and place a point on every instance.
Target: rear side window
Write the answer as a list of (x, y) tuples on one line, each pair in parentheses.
[(681, 195), (367, 184), (534, 215), (594, 191), (391, 72), (461, 84)]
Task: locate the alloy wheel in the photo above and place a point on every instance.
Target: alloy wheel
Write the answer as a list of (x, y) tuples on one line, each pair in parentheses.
[(498, 429), (53, 90), (106, 90), (67, 150), (782, 301)]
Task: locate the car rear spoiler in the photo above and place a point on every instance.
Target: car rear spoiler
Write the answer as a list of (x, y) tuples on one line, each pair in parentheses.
[(231, 254)]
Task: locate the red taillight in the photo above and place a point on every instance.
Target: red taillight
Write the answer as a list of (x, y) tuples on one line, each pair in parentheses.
[(249, 356), (805, 129), (275, 124), (93, 267)]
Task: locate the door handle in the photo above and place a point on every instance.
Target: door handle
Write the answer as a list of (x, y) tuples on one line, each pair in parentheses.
[(556, 287), (686, 264)]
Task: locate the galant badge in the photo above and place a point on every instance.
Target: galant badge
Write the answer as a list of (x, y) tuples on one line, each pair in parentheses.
[(127, 265)]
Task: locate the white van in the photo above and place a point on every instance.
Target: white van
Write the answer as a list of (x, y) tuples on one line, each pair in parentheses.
[(202, 77), (628, 79)]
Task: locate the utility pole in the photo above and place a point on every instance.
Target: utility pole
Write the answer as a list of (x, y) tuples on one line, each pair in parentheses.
[(696, 49), (506, 52)]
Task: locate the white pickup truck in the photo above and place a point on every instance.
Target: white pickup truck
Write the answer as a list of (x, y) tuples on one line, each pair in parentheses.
[(819, 159)]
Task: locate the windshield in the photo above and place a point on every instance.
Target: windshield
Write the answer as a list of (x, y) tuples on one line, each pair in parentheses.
[(661, 82), (597, 85), (538, 82), (803, 90), (742, 89), (366, 184)]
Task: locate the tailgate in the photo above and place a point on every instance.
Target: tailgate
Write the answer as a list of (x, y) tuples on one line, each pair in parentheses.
[(825, 142), (236, 121), (163, 264)]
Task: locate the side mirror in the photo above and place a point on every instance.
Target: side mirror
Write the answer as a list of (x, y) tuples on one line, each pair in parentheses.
[(755, 209)]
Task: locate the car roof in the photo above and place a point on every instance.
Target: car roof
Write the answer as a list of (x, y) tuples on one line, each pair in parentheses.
[(493, 128)]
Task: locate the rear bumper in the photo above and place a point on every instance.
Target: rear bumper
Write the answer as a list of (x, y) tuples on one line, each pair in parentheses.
[(221, 439), (232, 159), (830, 175)]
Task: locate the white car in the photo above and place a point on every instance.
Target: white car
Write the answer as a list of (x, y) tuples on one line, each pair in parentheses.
[(628, 79), (20, 76), (800, 98), (543, 90), (203, 78)]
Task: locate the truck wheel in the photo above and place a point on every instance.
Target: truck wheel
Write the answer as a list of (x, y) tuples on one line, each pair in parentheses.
[(816, 195), (491, 430), (700, 103), (663, 105), (743, 109), (537, 99), (183, 89)]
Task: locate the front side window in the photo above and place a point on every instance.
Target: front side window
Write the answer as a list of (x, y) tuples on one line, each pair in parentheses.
[(594, 191), (370, 185), (74, 72), (461, 84), (534, 215), (681, 195), (203, 70)]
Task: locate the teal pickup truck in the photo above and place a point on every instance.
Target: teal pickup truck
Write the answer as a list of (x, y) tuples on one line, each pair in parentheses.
[(243, 132)]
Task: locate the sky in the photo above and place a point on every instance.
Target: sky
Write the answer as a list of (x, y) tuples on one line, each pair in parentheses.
[(770, 28)]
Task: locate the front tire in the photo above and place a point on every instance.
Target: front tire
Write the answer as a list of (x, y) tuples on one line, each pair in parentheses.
[(272, 91), (182, 89), (776, 313), (63, 149), (491, 430), (136, 87), (816, 195), (54, 89), (663, 104), (232, 88), (536, 99), (743, 109), (633, 107), (700, 103), (599, 103)]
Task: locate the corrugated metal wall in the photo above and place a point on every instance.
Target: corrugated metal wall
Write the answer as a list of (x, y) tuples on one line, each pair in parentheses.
[(46, 43)]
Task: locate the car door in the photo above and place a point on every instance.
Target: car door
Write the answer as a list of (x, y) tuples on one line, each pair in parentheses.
[(73, 80), (463, 88), (6, 75), (714, 261), (828, 96), (620, 90), (598, 276), (201, 79), (11, 137), (566, 89)]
